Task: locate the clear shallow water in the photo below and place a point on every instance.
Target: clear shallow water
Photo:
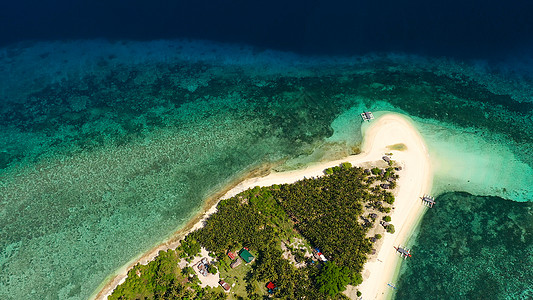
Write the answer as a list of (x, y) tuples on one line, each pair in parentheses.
[(470, 159), (107, 148), (471, 247)]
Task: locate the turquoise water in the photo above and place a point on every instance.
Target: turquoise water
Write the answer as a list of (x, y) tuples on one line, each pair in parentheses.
[(106, 149), (471, 247)]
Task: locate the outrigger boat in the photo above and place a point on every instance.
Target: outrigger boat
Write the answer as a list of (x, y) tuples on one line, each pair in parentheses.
[(404, 252)]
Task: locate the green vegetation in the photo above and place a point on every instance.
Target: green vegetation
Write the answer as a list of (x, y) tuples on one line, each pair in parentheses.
[(211, 269), (376, 171), (326, 211), (390, 228), (332, 279), (399, 147), (378, 236), (387, 196), (387, 218), (322, 212), (190, 247), (162, 279), (346, 165)]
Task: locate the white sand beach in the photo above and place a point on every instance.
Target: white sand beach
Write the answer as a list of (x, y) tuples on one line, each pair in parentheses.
[(415, 180)]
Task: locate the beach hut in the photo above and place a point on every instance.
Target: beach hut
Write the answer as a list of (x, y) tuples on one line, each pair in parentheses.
[(202, 266), (224, 285), (246, 255), (386, 159)]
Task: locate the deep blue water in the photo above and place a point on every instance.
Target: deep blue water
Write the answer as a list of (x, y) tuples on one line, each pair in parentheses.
[(465, 29)]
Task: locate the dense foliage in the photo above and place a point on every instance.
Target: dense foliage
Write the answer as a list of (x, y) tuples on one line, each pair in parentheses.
[(325, 213), (250, 219), (332, 279), (294, 283), (162, 279)]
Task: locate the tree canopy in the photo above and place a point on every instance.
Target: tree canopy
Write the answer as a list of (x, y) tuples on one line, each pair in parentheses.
[(325, 212), (333, 279)]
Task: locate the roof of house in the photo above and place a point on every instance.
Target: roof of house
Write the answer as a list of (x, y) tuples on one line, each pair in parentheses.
[(231, 255), (246, 255), (270, 285), (224, 285)]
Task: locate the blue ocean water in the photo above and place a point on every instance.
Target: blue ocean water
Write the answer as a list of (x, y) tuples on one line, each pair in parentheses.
[(118, 120), (107, 149), (460, 29)]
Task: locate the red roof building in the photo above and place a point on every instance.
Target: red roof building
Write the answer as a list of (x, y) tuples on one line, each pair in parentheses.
[(224, 285), (232, 255), (271, 285)]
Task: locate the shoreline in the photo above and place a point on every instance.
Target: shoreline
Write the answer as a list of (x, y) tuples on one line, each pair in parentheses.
[(196, 222), (388, 129), (416, 181)]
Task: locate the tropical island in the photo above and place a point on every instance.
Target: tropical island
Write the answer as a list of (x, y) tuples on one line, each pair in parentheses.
[(312, 233)]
